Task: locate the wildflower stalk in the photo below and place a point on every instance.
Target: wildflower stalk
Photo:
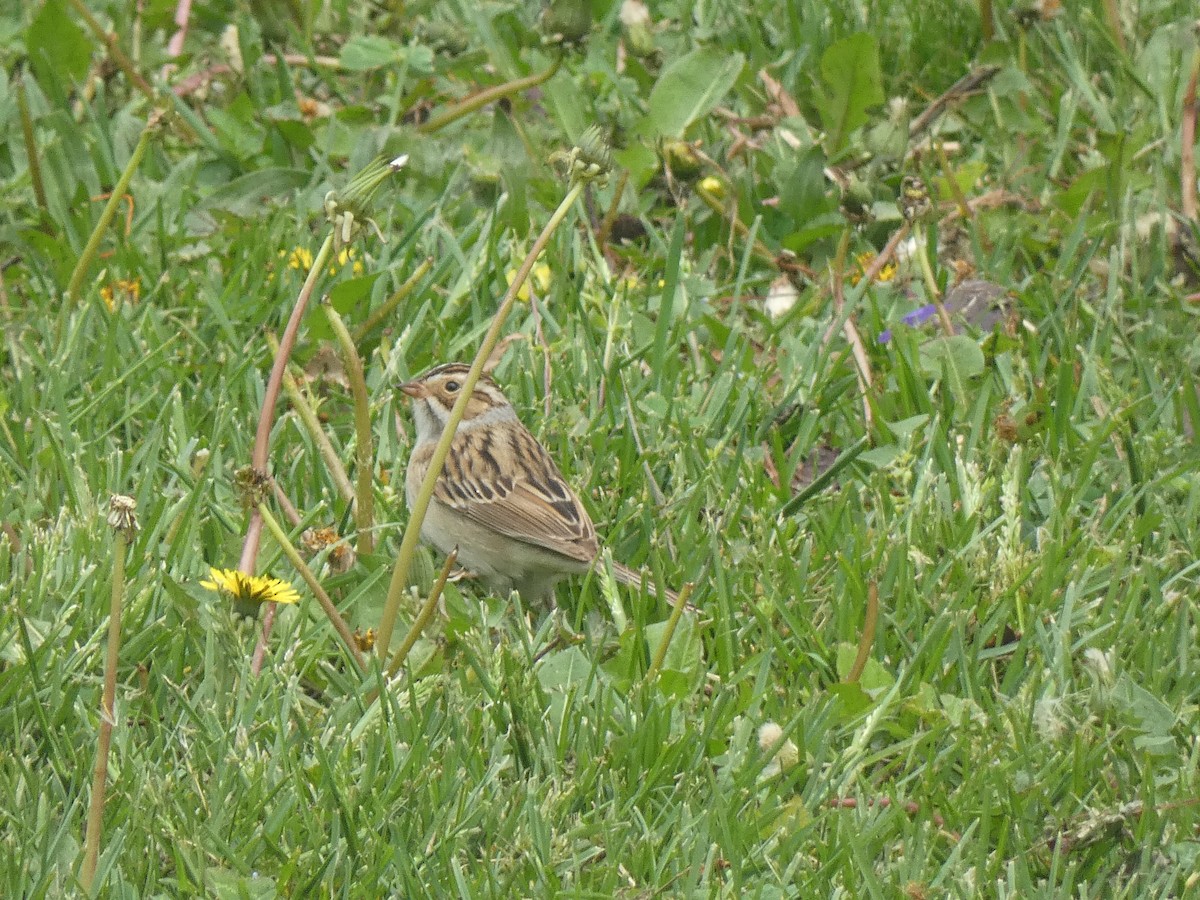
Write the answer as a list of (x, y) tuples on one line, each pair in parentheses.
[(31, 150), (364, 452), (266, 416), (109, 39), (347, 214), (308, 418), (867, 638), (610, 215), (484, 97), (388, 306), (423, 617), (124, 522), (660, 654), (916, 206), (935, 295), (331, 611), (262, 437), (862, 363), (728, 211), (582, 172), (110, 208)]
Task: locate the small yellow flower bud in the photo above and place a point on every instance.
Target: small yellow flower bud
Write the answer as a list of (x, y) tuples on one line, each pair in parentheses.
[(713, 186)]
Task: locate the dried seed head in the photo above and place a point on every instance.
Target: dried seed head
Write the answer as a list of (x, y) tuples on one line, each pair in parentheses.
[(349, 210), (914, 198), (589, 160), (252, 485), (122, 515)]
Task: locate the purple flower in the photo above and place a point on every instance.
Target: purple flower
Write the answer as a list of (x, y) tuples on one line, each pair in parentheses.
[(916, 317)]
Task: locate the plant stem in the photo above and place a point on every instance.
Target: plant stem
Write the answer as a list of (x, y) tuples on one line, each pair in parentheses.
[(31, 151), (484, 97), (868, 634), (423, 617), (364, 453), (109, 39), (935, 296), (408, 544), (308, 417), (262, 436), (389, 305), (266, 416), (1187, 142), (660, 654), (610, 214), (95, 819), (110, 208), (331, 611)]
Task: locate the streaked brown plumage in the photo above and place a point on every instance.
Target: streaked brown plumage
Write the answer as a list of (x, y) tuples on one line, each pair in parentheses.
[(500, 499)]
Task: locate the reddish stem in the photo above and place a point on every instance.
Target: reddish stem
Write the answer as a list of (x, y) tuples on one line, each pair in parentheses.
[(262, 440)]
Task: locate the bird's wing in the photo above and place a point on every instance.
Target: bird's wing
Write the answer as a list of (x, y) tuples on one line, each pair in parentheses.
[(505, 480)]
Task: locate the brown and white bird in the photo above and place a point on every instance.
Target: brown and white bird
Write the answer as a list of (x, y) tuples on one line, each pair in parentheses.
[(500, 498)]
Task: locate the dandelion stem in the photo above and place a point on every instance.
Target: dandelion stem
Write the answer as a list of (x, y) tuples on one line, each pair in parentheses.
[(935, 296), (262, 437), (660, 654), (331, 611), (109, 39), (610, 215), (110, 208), (868, 634), (31, 151), (95, 819), (389, 305), (408, 544), (308, 417), (423, 616), (484, 97), (364, 452)]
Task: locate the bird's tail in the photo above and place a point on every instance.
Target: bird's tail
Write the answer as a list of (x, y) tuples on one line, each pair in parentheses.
[(628, 576)]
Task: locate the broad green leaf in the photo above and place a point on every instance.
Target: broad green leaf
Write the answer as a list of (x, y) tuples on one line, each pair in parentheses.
[(370, 51), (688, 89), (348, 294), (684, 653), (565, 669), (850, 70), (568, 104), (226, 883), (250, 195), (958, 357), (1147, 714), (803, 191), (639, 160), (852, 699), (965, 176), (874, 679), (58, 49)]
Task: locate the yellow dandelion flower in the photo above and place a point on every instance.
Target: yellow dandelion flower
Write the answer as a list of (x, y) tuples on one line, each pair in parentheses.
[(365, 642), (344, 256), (120, 291), (298, 258), (629, 282), (250, 589), (887, 273), (540, 276)]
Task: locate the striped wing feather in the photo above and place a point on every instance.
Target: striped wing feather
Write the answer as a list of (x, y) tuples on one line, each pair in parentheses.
[(526, 499)]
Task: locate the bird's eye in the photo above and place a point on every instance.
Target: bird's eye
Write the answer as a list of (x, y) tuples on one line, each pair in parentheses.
[(453, 386)]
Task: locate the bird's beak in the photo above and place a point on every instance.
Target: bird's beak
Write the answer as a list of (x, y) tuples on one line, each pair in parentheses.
[(413, 389)]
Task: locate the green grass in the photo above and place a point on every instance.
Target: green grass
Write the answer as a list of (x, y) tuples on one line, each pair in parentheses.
[(1030, 523)]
